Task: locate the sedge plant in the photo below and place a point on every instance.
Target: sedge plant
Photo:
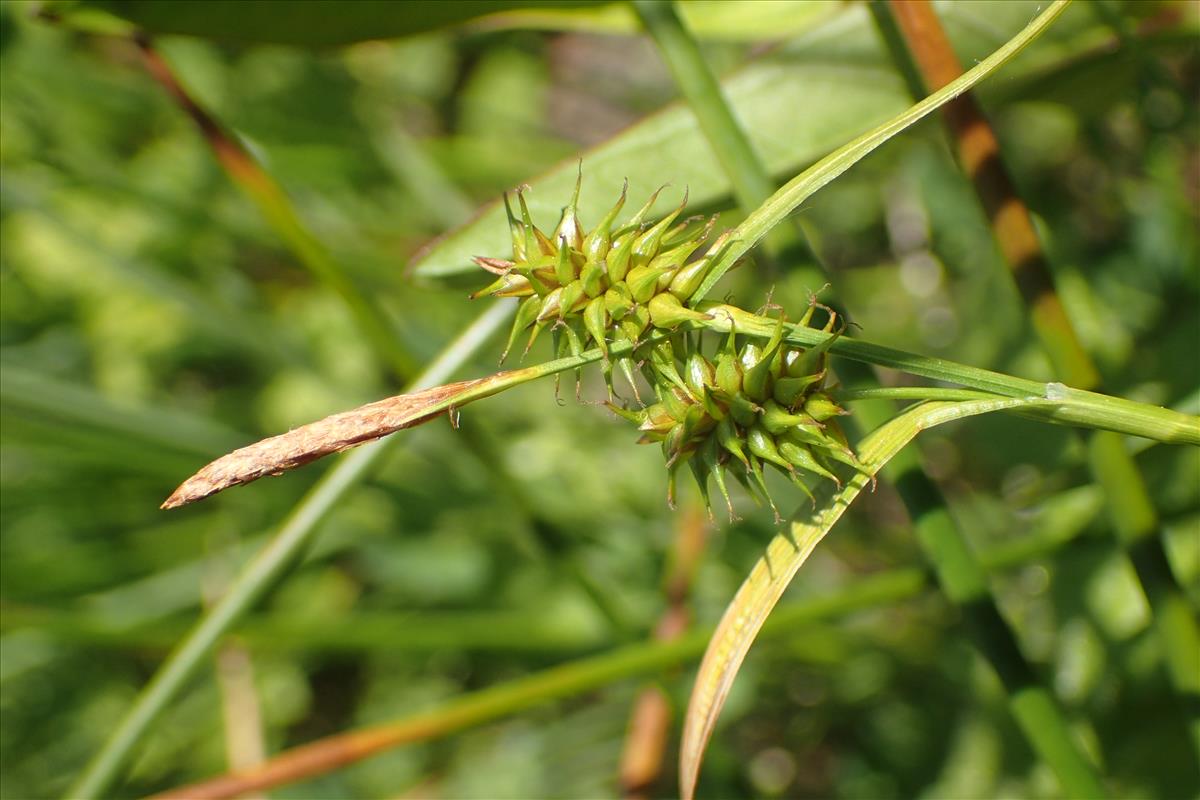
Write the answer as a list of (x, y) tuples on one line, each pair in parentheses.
[(729, 392)]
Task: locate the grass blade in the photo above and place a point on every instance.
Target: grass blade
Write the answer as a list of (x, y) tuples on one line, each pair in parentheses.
[(807, 183), (785, 554), (564, 680), (77, 406)]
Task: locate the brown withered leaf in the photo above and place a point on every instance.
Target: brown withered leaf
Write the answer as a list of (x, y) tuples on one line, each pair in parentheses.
[(333, 434)]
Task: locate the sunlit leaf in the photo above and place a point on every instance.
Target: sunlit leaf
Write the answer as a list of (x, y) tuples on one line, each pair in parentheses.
[(785, 554)]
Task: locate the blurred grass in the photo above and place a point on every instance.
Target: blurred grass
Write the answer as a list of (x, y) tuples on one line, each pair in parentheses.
[(132, 270)]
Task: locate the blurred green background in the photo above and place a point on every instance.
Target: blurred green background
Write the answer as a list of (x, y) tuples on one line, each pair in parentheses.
[(152, 319)]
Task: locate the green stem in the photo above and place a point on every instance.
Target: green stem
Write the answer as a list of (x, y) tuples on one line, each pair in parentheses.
[(555, 683), (751, 183), (1069, 406), (910, 393), (296, 532), (1075, 406)]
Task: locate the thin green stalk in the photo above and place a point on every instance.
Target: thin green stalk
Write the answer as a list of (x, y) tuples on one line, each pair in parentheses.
[(909, 393), (1076, 406), (261, 573), (1070, 406), (555, 683), (752, 185)]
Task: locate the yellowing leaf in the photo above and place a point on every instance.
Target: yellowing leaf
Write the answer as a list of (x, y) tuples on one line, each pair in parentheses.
[(784, 556)]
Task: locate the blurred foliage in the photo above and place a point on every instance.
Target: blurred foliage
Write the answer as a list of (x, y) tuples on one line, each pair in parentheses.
[(150, 319)]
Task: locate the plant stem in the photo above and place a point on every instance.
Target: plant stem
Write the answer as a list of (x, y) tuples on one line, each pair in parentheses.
[(909, 393), (325, 755), (373, 421), (257, 577), (752, 185), (1076, 407)]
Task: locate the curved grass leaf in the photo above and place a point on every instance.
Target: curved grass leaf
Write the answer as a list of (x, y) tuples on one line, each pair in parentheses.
[(807, 183), (785, 554), (839, 98)]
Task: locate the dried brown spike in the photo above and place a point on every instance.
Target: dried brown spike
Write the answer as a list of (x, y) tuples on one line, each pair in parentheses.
[(497, 266), (307, 443)]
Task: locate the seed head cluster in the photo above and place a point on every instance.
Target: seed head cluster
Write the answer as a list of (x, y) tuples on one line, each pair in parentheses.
[(608, 285), (748, 405)]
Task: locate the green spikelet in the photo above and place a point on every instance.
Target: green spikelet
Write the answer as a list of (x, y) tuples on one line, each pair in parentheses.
[(628, 265), (706, 417)]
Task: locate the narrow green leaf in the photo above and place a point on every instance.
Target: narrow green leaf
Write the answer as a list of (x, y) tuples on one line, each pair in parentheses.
[(76, 406), (785, 554), (807, 183), (838, 101)]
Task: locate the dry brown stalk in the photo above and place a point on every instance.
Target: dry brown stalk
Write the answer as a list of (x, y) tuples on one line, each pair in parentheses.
[(650, 722), (1012, 225), (232, 156), (335, 433), (302, 762)]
